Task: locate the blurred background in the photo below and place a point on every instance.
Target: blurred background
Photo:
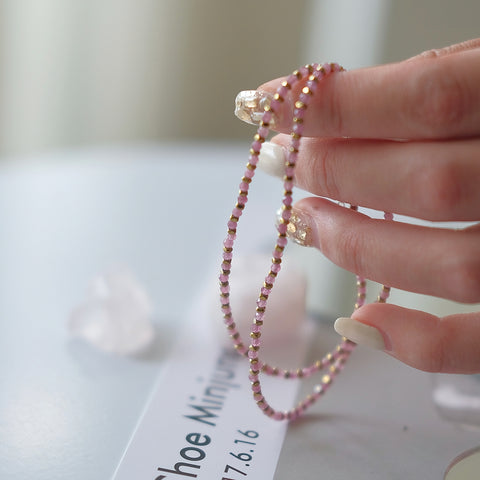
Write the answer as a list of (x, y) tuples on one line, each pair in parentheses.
[(108, 72)]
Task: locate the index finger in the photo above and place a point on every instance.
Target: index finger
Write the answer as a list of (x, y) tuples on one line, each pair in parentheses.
[(428, 97)]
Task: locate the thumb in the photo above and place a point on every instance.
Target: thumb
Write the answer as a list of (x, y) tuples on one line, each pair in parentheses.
[(448, 344)]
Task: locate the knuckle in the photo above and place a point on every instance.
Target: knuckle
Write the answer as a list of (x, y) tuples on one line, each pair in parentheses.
[(438, 188), (439, 101), (464, 275)]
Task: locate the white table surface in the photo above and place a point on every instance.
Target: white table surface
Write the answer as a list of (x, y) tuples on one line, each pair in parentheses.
[(67, 410)]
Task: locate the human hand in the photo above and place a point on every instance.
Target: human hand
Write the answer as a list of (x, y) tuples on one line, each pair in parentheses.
[(402, 138)]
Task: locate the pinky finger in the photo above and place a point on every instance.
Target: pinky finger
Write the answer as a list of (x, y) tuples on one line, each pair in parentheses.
[(449, 344)]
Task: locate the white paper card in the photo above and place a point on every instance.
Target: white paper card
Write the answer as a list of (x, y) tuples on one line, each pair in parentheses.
[(202, 422)]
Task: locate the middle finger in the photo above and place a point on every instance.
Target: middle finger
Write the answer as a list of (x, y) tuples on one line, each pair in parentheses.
[(432, 180)]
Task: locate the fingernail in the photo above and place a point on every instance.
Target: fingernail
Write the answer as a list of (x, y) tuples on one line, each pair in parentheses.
[(360, 333), (272, 159), (250, 105), (298, 228)]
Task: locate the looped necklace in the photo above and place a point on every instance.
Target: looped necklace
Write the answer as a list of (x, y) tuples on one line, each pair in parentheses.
[(334, 361)]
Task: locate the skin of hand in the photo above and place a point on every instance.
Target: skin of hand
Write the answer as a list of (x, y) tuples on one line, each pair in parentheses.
[(402, 138)]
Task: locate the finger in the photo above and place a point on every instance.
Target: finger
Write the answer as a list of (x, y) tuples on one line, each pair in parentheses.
[(428, 98), (433, 261), (424, 341), (435, 181), (439, 52)]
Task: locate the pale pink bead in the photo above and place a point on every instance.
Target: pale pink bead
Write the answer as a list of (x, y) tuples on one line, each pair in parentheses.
[(265, 291), (241, 200), (287, 201), (268, 370), (303, 97), (274, 104), (327, 68), (256, 328), (256, 145), (228, 242), (223, 278), (278, 415), (299, 112), (267, 117), (225, 266), (237, 212), (277, 255), (227, 255), (304, 71), (292, 79), (282, 241), (225, 289), (288, 185), (282, 91), (388, 216), (263, 131), (276, 267), (286, 214), (232, 225), (289, 171), (270, 279), (282, 228), (259, 316), (224, 300), (244, 186), (252, 354), (261, 303), (249, 173), (253, 378)]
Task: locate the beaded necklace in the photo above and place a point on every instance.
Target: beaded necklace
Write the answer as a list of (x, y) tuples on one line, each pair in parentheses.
[(334, 361)]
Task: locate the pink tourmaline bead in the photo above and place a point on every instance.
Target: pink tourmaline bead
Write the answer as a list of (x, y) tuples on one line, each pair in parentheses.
[(267, 117), (259, 316), (228, 243), (287, 201), (286, 214), (274, 104), (227, 255), (282, 91), (261, 303), (270, 279), (282, 228), (288, 185), (256, 145), (289, 171), (282, 241), (276, 267), (244, 186), (265, 291), (253, 378), (252, 354), (279, 415), (304, 71), (303, 97), (223, 278), (224, 300), (292, 79), (225, 266), (263, 131), (299, 112), (224, 289), (327, 68), (388, 216), (249, 173), (237, 212), (232, 225), (277, 255), (256, 342), (256, 328)]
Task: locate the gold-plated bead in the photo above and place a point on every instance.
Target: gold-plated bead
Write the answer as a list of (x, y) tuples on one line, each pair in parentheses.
[(296, 135), (258, 138), (326, 379), (307, 91), (286, 84), (299, 104), (278, 97)]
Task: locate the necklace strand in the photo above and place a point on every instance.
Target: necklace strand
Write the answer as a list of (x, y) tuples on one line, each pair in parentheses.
[(334, 361)]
